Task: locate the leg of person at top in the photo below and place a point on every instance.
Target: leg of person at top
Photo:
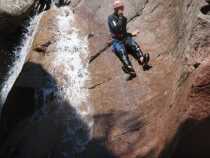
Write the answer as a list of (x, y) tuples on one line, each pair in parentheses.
[(41, 6), (48, 4), (120, 52), (135, 50)]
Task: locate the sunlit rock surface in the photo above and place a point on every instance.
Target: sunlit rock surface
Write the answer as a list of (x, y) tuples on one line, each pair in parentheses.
[(163, 112)]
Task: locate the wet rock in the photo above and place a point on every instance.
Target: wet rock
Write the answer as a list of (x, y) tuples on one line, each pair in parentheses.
[(163, 112), (12, 17), (12, 14), (49, 76), (43, 48)]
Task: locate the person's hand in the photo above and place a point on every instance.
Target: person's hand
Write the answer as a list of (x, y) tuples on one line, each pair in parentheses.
[(135, 33)]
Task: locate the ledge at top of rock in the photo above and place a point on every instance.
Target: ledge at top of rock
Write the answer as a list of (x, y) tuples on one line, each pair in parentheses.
[(15, 7), (12, 13)]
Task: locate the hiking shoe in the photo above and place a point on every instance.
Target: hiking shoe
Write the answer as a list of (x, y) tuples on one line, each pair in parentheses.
[(130, 76), (128, 69), (146, 58), (146, 67)]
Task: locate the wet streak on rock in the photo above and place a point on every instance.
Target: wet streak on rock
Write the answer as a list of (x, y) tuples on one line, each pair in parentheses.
[(8, 43)]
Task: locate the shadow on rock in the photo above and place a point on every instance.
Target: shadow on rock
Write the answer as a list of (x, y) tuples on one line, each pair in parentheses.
[(97, 149), (38, 123), (192, 140), (9, 42), (114, 128), (205, 9)]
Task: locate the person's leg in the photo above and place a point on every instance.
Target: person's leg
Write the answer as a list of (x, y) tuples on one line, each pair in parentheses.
[(48, 4), (134, 49), (120, 52)]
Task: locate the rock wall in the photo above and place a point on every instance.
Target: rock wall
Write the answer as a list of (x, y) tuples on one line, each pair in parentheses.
[(12, 13), (12, 19), (151, 116), (162, 113)]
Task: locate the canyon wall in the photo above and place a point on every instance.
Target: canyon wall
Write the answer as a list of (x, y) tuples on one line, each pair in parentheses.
[(162, 113)]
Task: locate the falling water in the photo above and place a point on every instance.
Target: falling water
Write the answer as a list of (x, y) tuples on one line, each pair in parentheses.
[(71, 54), (71, 110), (69, 67), (70, 62), (21, 53)]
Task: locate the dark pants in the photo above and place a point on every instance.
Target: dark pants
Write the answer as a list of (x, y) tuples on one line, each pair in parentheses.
[(122, 47)]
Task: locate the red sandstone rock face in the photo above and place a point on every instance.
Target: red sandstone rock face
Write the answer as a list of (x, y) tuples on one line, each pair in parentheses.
[(163, 112), (140, 118)]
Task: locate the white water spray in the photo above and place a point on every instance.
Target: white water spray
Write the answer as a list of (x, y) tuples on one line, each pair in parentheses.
[(20, 57), (69, 68), (71, 57)]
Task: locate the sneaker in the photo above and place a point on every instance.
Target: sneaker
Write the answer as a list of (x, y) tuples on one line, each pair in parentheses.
[(146, 58), (130, 76), (128, 69), (146, 67)]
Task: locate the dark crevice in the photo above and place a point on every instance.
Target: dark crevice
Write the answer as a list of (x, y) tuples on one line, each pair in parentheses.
[(99, 84), (97, 149), (184, 76), (43, 48), (191, 141), (9, 44), (133, 127), (195, 143), (30, 115), (196, 65), (205, 10), (139, 13), (134, 17), (202, 88), (154, 8), (92, 58)]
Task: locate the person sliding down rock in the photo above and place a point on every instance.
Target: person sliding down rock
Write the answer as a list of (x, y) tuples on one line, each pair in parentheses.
[(43, 5), (122, 41), (60, 3)]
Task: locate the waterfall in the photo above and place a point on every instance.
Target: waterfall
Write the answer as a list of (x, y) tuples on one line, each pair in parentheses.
[(70, 106), (71, 62), (65, 103), (72, 55), (21, 53)]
